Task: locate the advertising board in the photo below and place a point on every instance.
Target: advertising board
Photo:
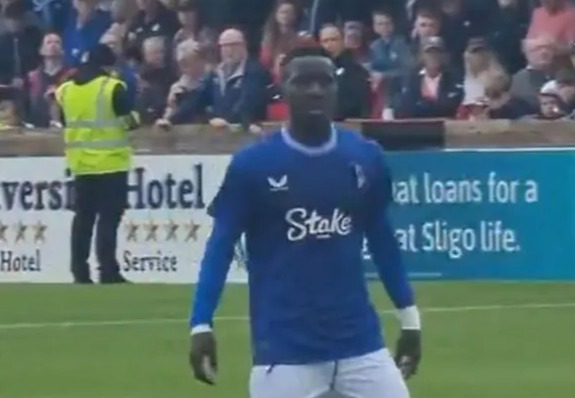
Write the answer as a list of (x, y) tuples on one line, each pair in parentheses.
[(160, 240), (479, 214), (473, 214)]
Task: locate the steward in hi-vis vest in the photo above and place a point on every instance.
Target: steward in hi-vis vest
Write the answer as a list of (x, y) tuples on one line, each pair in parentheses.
[(96, 108)]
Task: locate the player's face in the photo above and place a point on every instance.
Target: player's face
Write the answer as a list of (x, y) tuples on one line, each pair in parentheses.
[(310, 87)]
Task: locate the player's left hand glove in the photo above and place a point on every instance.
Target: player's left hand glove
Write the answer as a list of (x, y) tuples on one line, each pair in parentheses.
[(203, 357), (408, 352)]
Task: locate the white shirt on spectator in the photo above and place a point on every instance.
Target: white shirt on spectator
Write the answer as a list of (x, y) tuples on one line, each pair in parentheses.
[(473, 89)]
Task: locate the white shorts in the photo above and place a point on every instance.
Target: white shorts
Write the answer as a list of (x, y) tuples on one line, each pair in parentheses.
[(374, 375)]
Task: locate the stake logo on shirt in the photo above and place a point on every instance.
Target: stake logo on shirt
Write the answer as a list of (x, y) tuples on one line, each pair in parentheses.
[(305, 223)]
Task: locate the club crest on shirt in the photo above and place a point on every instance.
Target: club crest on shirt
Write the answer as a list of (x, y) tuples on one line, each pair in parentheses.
[(359, 176)]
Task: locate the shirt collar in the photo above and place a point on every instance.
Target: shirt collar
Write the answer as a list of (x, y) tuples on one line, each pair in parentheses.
[(310, 150)]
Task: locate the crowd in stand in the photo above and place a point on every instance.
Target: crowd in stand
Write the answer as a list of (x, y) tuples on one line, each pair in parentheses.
[(217, 61)]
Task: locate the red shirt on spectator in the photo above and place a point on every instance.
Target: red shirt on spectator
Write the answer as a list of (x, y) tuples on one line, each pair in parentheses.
[(560, 24)]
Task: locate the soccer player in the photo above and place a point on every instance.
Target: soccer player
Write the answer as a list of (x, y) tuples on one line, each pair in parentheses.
[(306, 197)]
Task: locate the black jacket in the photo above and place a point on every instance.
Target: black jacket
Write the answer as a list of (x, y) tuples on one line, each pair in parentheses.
[(354, 95), (412, 104), (514, 109)]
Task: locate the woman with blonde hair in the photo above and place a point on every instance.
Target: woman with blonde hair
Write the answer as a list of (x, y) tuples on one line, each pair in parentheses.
[(481, 65)]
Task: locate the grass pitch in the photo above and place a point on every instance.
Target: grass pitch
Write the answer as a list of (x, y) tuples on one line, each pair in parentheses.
[(481, 340)]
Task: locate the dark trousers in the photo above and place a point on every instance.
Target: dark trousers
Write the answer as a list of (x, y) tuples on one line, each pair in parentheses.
[(102, 197)]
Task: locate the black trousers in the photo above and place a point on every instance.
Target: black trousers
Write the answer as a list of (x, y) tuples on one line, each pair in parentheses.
[(102, 197)]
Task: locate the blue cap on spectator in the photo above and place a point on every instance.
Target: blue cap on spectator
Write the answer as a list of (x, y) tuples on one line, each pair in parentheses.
[(101, 55)]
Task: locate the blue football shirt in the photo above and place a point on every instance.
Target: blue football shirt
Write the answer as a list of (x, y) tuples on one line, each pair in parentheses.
[(305, 213)]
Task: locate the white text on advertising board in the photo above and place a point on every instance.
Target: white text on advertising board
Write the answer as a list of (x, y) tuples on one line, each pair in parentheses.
[(144, 193)]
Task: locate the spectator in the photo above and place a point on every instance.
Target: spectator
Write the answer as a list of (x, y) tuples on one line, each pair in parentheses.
[(540, 54), (480, 66), (152, 19), (354, 97), (240, 93), (85, 27), (502, 105), (389, 53), (551, 106), (427, 24), (390, 58), (191, 28), (19, 47), (564, 86), (190, 96), (45, 79), (507, 28), (156, 77), (433, 92), (555, 18), (280, 33), (354, 40)]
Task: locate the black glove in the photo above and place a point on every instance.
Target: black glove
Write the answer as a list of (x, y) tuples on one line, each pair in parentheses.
[(408, 352), (203, 357)]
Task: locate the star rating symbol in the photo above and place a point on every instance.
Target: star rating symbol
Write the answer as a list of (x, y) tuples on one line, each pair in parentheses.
[(192, 228), (151, 231), (171, 231), (157, 230), (3, 229), (132, 231), (39, 231), (20, 232)]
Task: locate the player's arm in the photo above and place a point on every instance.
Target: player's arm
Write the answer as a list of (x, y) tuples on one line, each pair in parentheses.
[(386, 256), (230, 211)]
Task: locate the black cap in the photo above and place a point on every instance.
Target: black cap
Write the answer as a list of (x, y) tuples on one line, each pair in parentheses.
[(101, 55)]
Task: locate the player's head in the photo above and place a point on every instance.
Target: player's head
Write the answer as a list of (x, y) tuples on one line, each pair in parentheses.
[(309, 83)]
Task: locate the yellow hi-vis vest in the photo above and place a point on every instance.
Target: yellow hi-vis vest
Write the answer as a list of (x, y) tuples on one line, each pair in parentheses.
[(96, 140)]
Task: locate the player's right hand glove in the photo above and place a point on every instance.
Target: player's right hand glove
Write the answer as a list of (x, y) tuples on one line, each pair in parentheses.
[(408, 352), (203, 357)]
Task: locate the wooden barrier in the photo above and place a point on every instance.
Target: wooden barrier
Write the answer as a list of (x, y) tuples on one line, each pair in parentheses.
[(413, 134)]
